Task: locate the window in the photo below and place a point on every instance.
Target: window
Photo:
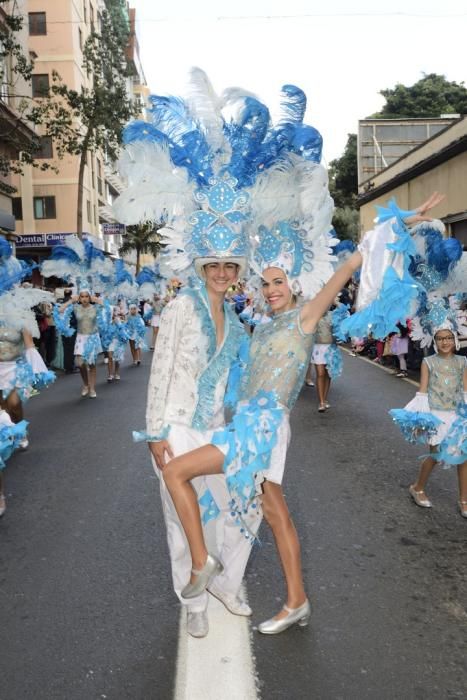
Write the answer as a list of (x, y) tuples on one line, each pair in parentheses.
[(100, 188), (37, 24), (80, 36), (40, 85), (95, 214), (44, 208), (17, 208), (85, 11), (88, 209), (45, 149)]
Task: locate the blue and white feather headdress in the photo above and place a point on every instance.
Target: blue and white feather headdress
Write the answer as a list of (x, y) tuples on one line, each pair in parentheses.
[(80, 264), (224, 178), (16, 301)]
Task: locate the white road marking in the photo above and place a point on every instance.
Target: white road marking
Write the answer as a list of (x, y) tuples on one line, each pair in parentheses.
[(219, 666)]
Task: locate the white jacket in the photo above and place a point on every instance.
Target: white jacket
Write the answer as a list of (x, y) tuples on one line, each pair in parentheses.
[(188, 374)]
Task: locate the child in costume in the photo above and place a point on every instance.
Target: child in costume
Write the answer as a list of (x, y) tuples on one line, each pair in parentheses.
[(118, 335), (136, 333), (438, 415)]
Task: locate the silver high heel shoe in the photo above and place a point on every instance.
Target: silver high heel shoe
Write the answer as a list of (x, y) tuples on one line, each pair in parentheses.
[(212, 568), (299, 616)]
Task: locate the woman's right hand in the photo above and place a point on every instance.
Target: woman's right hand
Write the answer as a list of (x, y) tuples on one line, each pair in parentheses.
[(159, 450)]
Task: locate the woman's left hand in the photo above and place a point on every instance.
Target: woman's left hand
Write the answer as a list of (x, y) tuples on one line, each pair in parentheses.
[(432, 201)]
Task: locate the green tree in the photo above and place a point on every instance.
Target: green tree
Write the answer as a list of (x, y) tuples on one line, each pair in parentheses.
[(430, 96), (93, 118), (343, 184), (141, 239), (343, 176), (346, 221)]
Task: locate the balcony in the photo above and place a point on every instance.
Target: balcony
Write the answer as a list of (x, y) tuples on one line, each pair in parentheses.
[(113, 179)]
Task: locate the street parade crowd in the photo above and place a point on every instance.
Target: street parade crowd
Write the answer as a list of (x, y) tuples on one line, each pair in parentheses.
[(252, 290)]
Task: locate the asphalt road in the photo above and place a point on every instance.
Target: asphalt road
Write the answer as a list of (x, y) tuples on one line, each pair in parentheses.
[(87, 610)]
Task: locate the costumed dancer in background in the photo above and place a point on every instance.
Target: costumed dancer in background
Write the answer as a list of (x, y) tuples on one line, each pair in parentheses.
[(136, 330), (117, 346), (21, 367), (81, 264), (11, 436), (157, 306), (200, 335), (88, 343), (326, 358), (437, 416), (410, 273)]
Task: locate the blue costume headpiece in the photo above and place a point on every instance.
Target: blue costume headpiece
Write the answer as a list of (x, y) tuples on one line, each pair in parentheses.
[(223, 178)]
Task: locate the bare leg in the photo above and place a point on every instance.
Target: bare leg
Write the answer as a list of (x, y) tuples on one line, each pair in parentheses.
[(14, 407), (110, 365), (288, 546), (321, 384), (133, 350), (83, 370), (177, 476), (327, 386), (309, 375), (92, 377), (462, 479), (2, 495), (425, 470)]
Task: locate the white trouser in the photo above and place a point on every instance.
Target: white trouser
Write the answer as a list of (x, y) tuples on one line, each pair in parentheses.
[(232, 547)]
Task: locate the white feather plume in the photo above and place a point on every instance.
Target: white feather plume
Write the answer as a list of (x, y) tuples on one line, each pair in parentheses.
[(205, 106), (156, 188), (16, 308)]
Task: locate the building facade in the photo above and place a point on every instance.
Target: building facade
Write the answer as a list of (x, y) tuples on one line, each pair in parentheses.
[(46, 202), (439, 163), (14, 130)]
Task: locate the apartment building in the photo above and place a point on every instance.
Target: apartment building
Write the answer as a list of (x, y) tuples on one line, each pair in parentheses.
[(14, 131), (46, 202)]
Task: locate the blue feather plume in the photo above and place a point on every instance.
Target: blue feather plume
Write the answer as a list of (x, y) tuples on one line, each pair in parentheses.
[(293, 105), (5, 249), (146, 275), (121, 274)]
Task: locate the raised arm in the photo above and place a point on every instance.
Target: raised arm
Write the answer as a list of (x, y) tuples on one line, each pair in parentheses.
[(314, 309), (72, 300)]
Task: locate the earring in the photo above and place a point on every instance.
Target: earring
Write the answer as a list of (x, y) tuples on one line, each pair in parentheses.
[(296, 288)]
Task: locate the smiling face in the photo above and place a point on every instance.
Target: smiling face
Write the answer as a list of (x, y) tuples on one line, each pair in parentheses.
[(445, 342), (220, 276), (276, 290)]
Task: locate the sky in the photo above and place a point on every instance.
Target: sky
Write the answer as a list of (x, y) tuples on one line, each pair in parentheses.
[(340, 52)]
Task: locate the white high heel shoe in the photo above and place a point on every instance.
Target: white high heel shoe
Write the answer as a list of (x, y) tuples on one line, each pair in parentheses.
[(300, 616)]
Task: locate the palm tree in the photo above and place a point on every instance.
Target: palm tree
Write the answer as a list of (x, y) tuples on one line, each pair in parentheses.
[(141, 238)]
